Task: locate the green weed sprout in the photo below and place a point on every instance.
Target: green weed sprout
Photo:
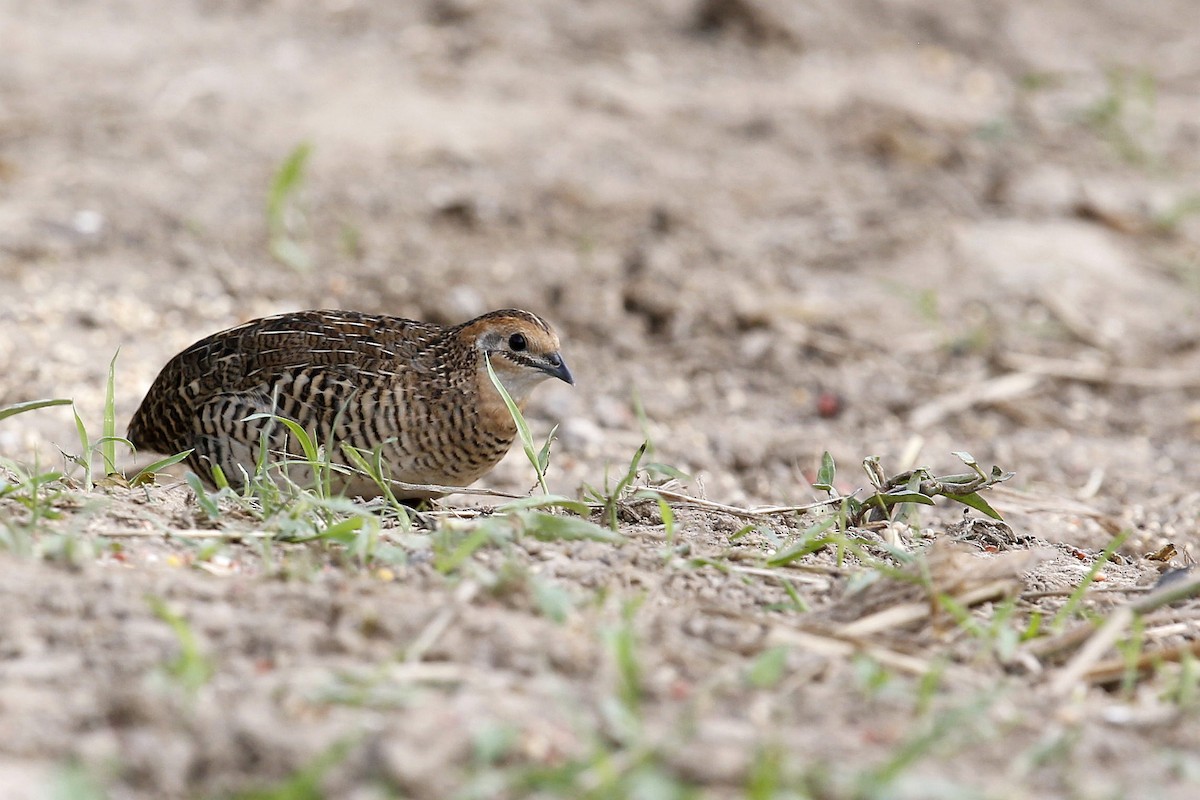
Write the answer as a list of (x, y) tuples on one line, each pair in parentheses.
[(282, 210), (538, 458)]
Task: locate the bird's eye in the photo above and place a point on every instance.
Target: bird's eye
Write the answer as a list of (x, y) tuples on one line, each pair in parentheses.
[(517, 342)]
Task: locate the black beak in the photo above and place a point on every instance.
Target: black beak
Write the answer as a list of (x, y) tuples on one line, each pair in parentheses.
[(557, 368)]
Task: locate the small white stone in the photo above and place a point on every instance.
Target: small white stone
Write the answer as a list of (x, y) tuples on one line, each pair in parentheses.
[(88, 222)]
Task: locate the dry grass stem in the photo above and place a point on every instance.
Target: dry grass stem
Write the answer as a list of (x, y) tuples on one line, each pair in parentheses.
[(744, 513), (903, 615), (1098, 373), (1114, 669), (1094, 648), (441, 622), (835, 647), (1095, 645), (185, 533), (994, 390)]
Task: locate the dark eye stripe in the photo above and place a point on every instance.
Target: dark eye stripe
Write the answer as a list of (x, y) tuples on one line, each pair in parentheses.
[(523, 360)]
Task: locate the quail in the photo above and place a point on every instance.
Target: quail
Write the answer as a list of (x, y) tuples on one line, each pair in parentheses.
[(417, 391)]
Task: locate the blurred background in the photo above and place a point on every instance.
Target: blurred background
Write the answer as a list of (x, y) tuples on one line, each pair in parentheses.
[(871, 227)]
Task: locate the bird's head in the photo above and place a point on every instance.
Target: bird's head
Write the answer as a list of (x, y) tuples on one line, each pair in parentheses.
[(523, 350)]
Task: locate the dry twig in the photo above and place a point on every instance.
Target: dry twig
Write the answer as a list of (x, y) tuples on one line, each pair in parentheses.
[(744, 513), (1094, 642), (1093, 372), (994, 390), (908, 613)]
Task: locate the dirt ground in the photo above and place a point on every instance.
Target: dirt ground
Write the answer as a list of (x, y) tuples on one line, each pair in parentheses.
[(898, 228)]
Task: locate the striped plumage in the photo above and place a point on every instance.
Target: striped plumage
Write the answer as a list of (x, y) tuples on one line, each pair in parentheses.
[(418, 391)]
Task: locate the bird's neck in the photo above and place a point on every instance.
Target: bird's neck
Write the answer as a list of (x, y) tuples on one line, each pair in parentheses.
[(493, 411)]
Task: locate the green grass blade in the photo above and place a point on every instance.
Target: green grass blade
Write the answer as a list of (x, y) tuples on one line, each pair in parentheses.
[(888, 500), (312, 454), (305, 783), (31, 405), (546, 501), (343, 532), (810, 541), (826, 473), (523, 432), (206, 503), (289, 252), (975, 501), (668, 518), (75, 781), (281, 199), (108, 444), (448, 562), (114, 440), (85, 445), (969, 460), (375, 470), (191, 668), (551, 527), (543, 457), (879, 781), (639, 412), (612, 501), (624, 645), (518, 418), (286, 182), (553, 601), (147, 473), (768, 669), (1076, 597), (631, 474), (660, 470), (218, 476)]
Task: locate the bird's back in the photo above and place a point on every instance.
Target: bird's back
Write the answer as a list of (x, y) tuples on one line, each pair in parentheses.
[(359, 378)]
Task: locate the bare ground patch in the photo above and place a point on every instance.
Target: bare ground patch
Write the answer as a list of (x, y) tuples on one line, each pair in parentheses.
[(765, 232)]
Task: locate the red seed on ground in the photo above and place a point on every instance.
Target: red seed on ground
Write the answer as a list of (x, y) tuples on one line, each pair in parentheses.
[(829, 405)]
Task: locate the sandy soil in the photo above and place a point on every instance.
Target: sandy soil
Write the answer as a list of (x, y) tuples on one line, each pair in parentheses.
[(895, 228)]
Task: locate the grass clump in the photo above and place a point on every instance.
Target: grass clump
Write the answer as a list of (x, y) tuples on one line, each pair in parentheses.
[(913, 487)]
